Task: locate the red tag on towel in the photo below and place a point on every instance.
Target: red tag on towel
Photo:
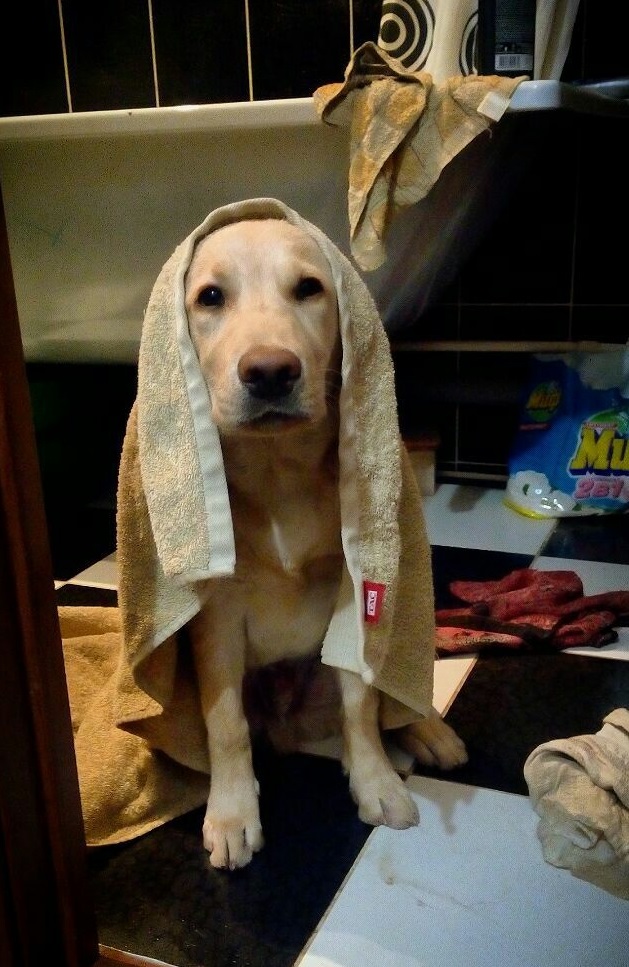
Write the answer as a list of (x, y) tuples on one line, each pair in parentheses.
[(374, 599)]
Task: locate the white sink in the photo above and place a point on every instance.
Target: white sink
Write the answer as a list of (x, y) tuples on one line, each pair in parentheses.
[(609, 98)]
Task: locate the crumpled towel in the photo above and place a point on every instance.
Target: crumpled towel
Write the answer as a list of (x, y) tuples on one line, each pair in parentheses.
[(404, 131), (127, 788), (529, 609), (580, 789)]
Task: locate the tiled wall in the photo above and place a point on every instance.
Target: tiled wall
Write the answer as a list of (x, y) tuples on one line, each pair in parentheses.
[(552, 265), (150, 53)]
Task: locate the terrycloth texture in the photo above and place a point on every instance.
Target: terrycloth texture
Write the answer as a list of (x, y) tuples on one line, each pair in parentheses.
[(126, 788), (175, 529), (580, 789), (404, 131)]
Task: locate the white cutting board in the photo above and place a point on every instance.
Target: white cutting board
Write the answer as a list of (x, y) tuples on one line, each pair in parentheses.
[(469, 887)]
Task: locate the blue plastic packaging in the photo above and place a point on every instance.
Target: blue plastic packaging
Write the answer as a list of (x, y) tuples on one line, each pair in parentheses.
[(570, 456)]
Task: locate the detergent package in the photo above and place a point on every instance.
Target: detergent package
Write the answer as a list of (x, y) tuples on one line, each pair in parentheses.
[(570, 455)]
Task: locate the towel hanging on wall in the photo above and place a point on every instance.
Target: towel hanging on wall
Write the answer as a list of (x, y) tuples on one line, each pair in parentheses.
[(404, 130)]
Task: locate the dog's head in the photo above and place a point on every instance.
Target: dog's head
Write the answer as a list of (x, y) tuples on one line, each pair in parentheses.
[(263, 317)]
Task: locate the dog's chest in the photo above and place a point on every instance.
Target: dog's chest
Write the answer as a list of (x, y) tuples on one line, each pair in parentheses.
[(298, 533), (288, 565), (285, 510), (290, 534)]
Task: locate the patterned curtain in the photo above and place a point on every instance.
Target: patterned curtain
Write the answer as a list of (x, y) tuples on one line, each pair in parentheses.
[(438, 36)]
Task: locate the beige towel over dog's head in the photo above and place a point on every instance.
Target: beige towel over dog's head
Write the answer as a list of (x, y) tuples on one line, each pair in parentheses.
[(174, 520)]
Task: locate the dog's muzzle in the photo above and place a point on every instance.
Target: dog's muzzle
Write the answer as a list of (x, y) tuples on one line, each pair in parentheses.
[(268, 373)]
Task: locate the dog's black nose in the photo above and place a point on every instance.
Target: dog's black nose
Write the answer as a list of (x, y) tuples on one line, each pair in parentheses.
[(269, 373)]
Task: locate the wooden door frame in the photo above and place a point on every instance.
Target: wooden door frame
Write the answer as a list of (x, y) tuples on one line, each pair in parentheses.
[(46, 911)]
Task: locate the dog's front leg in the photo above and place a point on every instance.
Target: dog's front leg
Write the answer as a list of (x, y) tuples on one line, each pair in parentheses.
[(231, 829), (382, 797)]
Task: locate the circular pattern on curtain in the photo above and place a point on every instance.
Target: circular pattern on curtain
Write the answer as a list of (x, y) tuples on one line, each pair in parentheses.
[(407, 32)]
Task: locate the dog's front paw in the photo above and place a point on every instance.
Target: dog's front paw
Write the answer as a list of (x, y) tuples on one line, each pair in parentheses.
[(433, 743), (232, 836), (384, 800)]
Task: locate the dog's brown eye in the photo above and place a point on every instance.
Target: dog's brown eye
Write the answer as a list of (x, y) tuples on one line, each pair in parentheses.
[(307, 287), (211, 296)]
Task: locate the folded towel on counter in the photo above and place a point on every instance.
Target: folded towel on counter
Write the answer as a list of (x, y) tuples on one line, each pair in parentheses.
[(580, 789), (141, 742), (404, 131), (529, 609)]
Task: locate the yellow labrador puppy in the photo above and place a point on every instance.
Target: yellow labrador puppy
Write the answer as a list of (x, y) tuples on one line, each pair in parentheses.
[(263, 317)]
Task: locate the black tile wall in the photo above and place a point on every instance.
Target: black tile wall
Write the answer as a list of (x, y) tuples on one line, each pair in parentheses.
[(296, 47), (548, 258), (600, 263), (527, 256), (492, 378), (549, 266), (109, 54), (367, 15), (543, 321), (609, 323), (79, 450), (485, 434), (32, 79), (427, 386), (440, 320), (604, 41), (200, 51)]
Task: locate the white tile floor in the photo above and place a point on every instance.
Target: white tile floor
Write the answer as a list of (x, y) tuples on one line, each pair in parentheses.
[(103, 574), (462, 516), (468, 887)]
